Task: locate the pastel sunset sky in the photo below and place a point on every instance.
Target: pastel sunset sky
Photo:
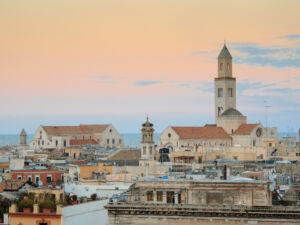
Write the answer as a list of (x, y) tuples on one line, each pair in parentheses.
[(66, 62)]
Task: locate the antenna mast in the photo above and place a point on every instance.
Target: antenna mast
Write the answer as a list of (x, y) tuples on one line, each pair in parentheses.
[(266, 116)]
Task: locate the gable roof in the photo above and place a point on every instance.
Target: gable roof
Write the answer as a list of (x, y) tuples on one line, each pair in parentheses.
[(201, 132), (126, 155), (61, 130), (81, 129), (95, 128), (245, 129)]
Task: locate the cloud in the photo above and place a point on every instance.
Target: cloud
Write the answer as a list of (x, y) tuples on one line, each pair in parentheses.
[(147, 83), (274, 56), (292, 36), (282, 90), (102, 77), (247, 85)]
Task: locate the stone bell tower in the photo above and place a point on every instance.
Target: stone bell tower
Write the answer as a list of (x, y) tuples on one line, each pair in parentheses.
[(225, 84), (23, 137), (147, 143)]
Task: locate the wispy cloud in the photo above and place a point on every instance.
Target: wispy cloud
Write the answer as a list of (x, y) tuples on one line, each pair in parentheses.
[(244, 85), (274, 56), (147, 83), (106, 79), (292, 36)]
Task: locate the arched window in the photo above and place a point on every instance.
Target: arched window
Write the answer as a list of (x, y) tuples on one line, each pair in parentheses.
[(228, 66), (221, 66)]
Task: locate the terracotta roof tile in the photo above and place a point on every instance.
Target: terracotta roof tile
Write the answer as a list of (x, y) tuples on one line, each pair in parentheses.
[(126, 155), (95, 128), (245, 129), (81, 129), (83, 142), (201, 132)]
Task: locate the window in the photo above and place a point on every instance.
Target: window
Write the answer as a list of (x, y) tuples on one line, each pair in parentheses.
[(120, 141), (113, 141), (107, 141), (159, 196), (65, 143), (49, 179), (270, 144), (110, 130), (43, 223), (29, 178), (220, 109), (42, 142), (150, 150), (39, 143), (221, 66), (19, 177), (220, 92), (149, 195), (254, 142), (229, 92), (37, 179), (169, 135), (56, 143), (144, 150), (228, 66), (235, 157)]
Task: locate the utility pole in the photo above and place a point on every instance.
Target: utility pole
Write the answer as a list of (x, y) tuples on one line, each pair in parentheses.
[(266, 115)]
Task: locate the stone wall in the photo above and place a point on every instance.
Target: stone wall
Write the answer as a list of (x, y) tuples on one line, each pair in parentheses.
[(165, 220)]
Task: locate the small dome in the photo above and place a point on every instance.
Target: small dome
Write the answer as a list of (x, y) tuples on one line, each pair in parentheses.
[(231, 112)]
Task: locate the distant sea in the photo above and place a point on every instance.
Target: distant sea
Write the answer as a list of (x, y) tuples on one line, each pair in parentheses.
[(131, 140)]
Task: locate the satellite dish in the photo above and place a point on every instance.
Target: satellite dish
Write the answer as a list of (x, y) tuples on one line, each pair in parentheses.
[(40, 183)]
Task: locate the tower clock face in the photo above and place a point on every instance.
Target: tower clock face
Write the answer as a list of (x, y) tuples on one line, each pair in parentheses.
[(258, 132)]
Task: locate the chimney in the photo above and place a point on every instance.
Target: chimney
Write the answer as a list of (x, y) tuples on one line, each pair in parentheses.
[(225, 172), (13, 208), (59, 210)]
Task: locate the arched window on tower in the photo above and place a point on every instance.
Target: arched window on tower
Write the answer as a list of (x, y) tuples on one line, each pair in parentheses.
[(228, 66), (221, 66)]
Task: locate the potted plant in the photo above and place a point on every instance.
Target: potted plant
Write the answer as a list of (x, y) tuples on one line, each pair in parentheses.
[(94, 196), (47, 206), (26, 205), (74, 199)]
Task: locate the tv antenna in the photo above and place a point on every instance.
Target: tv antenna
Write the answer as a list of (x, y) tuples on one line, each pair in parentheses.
[(266, 115)]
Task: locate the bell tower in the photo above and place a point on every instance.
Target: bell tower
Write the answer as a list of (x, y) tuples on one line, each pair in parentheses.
[(225, 84), (147, 143)]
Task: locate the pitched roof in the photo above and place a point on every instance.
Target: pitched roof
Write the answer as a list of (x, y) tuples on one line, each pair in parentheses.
[(95, 128), (81, 129), (224, 53), (82, 142), (23, 133), (126, 155), (245, 129), (61, 130), (200, 132)]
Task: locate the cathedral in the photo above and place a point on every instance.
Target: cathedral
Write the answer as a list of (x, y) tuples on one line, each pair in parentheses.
[(230, 129)]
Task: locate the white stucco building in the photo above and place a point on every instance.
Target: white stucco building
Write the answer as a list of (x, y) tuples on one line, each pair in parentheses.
[(104, 135)]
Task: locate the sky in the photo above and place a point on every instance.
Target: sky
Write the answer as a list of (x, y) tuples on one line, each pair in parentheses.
[(69, 62)]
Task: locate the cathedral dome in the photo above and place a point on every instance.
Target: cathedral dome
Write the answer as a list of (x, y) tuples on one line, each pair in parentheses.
[(232, 112)]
